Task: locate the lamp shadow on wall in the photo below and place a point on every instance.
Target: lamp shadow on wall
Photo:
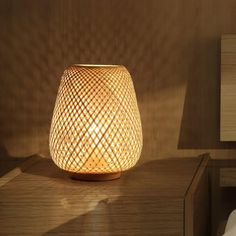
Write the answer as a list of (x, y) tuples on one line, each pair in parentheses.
[(200, 124)]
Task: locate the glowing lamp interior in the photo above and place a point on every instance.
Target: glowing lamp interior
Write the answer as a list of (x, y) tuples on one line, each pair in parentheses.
[(96, 127)]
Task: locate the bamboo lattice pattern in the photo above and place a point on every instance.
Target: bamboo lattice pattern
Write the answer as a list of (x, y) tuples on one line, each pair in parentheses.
[(96, 125)]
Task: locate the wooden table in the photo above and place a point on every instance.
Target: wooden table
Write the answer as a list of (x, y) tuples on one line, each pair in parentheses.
[(161, 197)]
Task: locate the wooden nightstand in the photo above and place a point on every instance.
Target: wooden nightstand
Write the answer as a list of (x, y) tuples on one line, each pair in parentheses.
[(162, 197)]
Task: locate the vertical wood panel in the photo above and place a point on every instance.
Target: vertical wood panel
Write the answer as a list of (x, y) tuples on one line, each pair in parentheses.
[(228, 88)]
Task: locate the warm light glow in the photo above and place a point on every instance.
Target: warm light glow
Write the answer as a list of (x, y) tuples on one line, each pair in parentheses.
[(94, 65), (96, 125)]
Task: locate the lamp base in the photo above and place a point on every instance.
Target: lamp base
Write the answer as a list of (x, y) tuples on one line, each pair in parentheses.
[(96, 177)]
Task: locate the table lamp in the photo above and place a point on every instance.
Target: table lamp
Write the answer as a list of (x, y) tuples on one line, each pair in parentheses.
[(96, 129)]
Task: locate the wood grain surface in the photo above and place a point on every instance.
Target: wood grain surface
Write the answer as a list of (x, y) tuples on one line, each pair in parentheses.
[(197, 202), (228, 88), (147, 200), (223, 194), (228, 177)]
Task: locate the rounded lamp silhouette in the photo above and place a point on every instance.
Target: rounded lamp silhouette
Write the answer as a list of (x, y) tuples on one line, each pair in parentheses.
[(96, 129)]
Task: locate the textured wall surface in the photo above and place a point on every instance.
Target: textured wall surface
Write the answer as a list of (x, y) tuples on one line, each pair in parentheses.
[(171, 48)]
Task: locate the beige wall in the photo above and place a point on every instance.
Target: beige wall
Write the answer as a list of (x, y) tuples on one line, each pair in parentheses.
[(171, 48)]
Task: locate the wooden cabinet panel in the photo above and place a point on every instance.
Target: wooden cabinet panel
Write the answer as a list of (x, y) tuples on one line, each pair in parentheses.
[(228, 88), (150, 199)]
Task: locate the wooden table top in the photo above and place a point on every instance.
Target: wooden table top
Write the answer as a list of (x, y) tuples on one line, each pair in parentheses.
[(146, 200)]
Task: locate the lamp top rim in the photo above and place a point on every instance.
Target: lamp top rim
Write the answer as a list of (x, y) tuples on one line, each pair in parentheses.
[(96, 65)]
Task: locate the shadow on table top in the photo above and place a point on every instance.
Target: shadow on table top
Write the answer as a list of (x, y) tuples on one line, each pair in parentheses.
[(7, 162)]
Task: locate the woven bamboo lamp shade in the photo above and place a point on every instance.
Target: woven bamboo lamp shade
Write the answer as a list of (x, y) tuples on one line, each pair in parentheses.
[(96, 129)]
